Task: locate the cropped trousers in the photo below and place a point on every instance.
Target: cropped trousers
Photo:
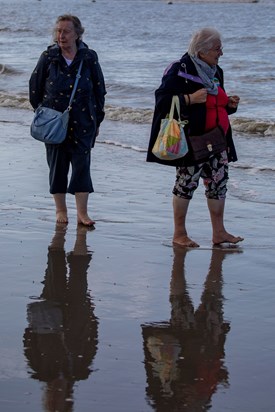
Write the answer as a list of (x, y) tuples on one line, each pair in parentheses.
[(60, 179), (214, 173)]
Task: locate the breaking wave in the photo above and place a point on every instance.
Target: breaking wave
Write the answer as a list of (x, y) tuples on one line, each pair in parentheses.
[(140, 115), (4, 69)]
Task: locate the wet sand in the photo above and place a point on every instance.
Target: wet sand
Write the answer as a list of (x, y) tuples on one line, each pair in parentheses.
[(115, 319)]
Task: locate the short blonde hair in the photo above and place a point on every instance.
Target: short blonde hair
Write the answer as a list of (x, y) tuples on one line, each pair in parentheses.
[(79, 29), (203, 40)]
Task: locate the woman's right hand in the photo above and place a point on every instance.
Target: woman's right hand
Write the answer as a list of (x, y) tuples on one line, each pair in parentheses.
[(199, 96)]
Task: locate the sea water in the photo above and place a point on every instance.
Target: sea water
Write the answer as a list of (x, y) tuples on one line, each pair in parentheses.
[(135, 41)]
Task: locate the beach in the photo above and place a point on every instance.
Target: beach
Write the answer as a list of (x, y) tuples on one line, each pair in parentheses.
[(116, 319), (169, 329)]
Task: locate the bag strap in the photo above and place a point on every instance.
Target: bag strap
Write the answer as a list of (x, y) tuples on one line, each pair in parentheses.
[(175, 104), (187, 76), (75, 85)]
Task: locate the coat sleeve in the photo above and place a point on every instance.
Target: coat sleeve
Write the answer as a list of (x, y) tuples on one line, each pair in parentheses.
[(171, 85), (99, 88), (37, 80)]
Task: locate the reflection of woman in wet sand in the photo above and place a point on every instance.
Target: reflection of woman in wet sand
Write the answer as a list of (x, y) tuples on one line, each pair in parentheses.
[(61, 340), (184, 357)]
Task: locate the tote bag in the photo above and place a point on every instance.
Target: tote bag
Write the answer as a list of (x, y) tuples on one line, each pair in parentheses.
[(171, 142)]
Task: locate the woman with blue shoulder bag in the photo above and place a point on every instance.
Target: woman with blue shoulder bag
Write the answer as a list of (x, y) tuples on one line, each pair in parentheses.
[(50, 86)]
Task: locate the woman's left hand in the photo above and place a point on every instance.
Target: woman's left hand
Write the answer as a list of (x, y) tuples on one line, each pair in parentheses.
[(233, 102)]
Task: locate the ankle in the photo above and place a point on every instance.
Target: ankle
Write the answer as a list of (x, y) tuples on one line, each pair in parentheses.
[(180, 233)]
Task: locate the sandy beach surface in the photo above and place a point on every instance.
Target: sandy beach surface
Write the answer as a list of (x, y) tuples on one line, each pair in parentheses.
[(115, 319)]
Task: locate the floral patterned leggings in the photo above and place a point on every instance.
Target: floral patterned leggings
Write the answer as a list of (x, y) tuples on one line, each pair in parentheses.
[(214, 173)]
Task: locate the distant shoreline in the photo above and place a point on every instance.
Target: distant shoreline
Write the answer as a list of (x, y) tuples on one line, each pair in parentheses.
[(211, 1)]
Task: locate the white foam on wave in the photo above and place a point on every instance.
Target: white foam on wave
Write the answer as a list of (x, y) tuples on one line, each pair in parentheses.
[(8, 70), (14, 101), (135, 115), (122, 145), (253, 126), (139, 115)]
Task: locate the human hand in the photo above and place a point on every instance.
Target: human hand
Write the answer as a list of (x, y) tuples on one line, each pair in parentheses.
[(233, 102), (198, 97)]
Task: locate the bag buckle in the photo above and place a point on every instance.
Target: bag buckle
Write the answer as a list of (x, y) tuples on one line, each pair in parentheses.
[(209, 147)]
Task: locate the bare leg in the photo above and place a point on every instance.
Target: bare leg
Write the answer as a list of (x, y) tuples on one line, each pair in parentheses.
[(220, 235), (61, 208), (83, 218), (180, 238), (80, 246)]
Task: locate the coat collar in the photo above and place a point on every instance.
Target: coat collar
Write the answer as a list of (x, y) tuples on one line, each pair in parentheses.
[(54, 51)]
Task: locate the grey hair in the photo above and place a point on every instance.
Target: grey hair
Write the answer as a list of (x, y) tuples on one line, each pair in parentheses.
[(79, 29), (203, 40)]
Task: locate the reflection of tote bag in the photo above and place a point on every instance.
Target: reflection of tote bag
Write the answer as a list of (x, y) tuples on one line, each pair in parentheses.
[(50, 126), (171, 142), (45, 317)]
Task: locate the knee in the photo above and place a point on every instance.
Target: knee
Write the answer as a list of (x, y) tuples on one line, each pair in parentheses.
[(216, 192)]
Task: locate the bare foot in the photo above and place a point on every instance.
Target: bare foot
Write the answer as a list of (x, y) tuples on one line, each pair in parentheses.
[(85, 221), (226, 238), (184, 241), (61, 217), (82, 230), (58, 240)]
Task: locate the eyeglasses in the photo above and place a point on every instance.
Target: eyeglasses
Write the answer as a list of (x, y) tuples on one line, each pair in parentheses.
[(65, 31), (217, 49)]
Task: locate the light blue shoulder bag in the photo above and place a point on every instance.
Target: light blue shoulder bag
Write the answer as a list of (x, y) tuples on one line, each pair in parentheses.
[(49, 125)]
